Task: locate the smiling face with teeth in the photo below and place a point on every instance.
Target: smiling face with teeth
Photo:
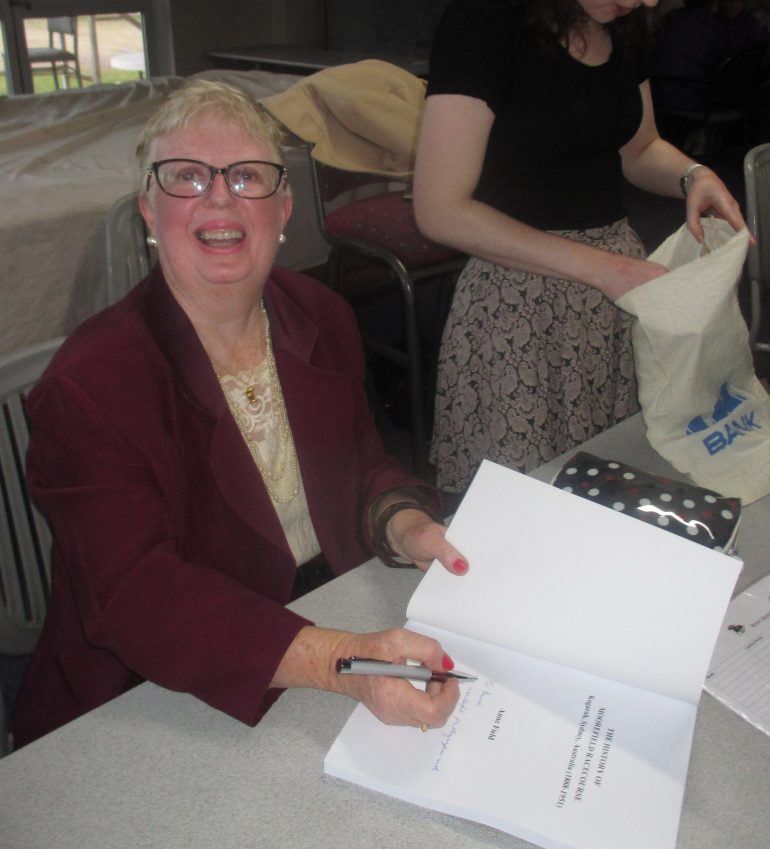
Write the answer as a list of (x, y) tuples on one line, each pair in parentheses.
[(217, 244)]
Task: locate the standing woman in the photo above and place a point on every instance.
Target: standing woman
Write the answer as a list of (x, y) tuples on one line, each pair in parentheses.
[(536, 111)]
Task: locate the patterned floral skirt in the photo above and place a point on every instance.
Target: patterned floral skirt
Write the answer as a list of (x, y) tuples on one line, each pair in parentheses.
[(530, 366)]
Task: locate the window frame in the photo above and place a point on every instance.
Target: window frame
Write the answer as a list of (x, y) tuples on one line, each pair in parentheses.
[(156, 32)]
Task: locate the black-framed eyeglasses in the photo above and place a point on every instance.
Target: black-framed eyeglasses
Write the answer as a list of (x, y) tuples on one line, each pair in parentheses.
[(190, 178)]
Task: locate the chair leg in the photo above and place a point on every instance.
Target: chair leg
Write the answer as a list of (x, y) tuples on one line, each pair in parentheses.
[(416, 402), (756, 320), (412, 360), (5, 737), (443, 303), (414, 369), (333, 269), (68, 73), (754, 311), (55, 75)]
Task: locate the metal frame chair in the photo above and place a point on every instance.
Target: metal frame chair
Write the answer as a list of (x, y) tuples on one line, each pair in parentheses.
[(129, 258), (55, 56), (756, 171), (25, 541), (370, 217)]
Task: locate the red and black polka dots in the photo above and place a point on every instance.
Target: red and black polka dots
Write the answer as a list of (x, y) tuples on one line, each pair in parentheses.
[(682, 508)]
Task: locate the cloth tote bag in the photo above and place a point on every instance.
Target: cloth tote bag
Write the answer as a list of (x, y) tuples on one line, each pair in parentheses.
[(704, 408)]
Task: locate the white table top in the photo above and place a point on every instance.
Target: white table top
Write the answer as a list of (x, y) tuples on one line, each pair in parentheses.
[(161, 770), (131, 61)]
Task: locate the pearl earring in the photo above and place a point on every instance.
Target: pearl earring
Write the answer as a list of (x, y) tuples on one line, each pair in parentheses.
[(282, 239), (152, 241)]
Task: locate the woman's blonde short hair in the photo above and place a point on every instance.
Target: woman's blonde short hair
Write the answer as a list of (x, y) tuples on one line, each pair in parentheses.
[(205, 98)]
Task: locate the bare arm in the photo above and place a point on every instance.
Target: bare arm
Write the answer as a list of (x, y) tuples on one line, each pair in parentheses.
[(450, 155), (652, 164), (310, 662)]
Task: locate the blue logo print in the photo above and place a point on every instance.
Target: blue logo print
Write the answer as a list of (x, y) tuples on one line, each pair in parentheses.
[(727, 402)]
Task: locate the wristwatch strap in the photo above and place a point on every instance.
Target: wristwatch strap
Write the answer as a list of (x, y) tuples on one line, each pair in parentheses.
[(686, 178)]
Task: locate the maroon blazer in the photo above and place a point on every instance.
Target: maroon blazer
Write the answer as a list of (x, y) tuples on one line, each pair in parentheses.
[(169, 562)]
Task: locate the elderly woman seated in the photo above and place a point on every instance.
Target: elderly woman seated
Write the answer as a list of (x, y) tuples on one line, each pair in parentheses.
[(204, 453)]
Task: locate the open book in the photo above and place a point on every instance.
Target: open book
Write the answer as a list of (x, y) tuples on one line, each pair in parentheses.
[(591, 633)]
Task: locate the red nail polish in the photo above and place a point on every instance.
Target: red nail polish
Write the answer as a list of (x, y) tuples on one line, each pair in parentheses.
[(460, 567), (447, 662)]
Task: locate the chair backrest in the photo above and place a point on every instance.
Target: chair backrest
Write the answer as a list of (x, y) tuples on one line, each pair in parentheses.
[(333, 187), (756, 169), (63, 26), (25, 540), (128, 255)]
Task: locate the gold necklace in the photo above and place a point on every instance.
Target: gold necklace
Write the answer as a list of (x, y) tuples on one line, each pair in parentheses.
[(288, 462)]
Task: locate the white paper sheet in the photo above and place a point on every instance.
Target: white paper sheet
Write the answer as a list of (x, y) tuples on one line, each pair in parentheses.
[(739, 674), (560, 578), (555, 756)]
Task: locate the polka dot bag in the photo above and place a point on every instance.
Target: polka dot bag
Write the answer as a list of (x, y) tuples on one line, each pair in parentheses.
[(681, 508)]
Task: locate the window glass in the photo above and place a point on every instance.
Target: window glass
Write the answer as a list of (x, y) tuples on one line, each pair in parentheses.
[(87, 50), (117, 40)]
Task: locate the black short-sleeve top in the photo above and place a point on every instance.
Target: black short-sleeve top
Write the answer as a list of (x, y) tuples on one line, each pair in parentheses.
[(552, 158)]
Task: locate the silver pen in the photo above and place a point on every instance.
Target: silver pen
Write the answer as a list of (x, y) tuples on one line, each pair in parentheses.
[(369, 666)]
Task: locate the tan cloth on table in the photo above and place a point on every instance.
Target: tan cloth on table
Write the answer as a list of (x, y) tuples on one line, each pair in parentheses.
[(363, 116)]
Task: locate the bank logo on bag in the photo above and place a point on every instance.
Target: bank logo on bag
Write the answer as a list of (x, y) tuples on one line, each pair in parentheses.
[(727, 415)]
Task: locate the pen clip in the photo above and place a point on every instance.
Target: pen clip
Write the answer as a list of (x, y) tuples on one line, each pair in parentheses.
[(345, 664)]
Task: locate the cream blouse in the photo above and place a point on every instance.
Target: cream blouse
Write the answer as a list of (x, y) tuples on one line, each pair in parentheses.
[(264, 425)]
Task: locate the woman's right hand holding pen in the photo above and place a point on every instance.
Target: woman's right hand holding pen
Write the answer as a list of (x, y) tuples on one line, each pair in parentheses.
[(311, 661), (397, 701)]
